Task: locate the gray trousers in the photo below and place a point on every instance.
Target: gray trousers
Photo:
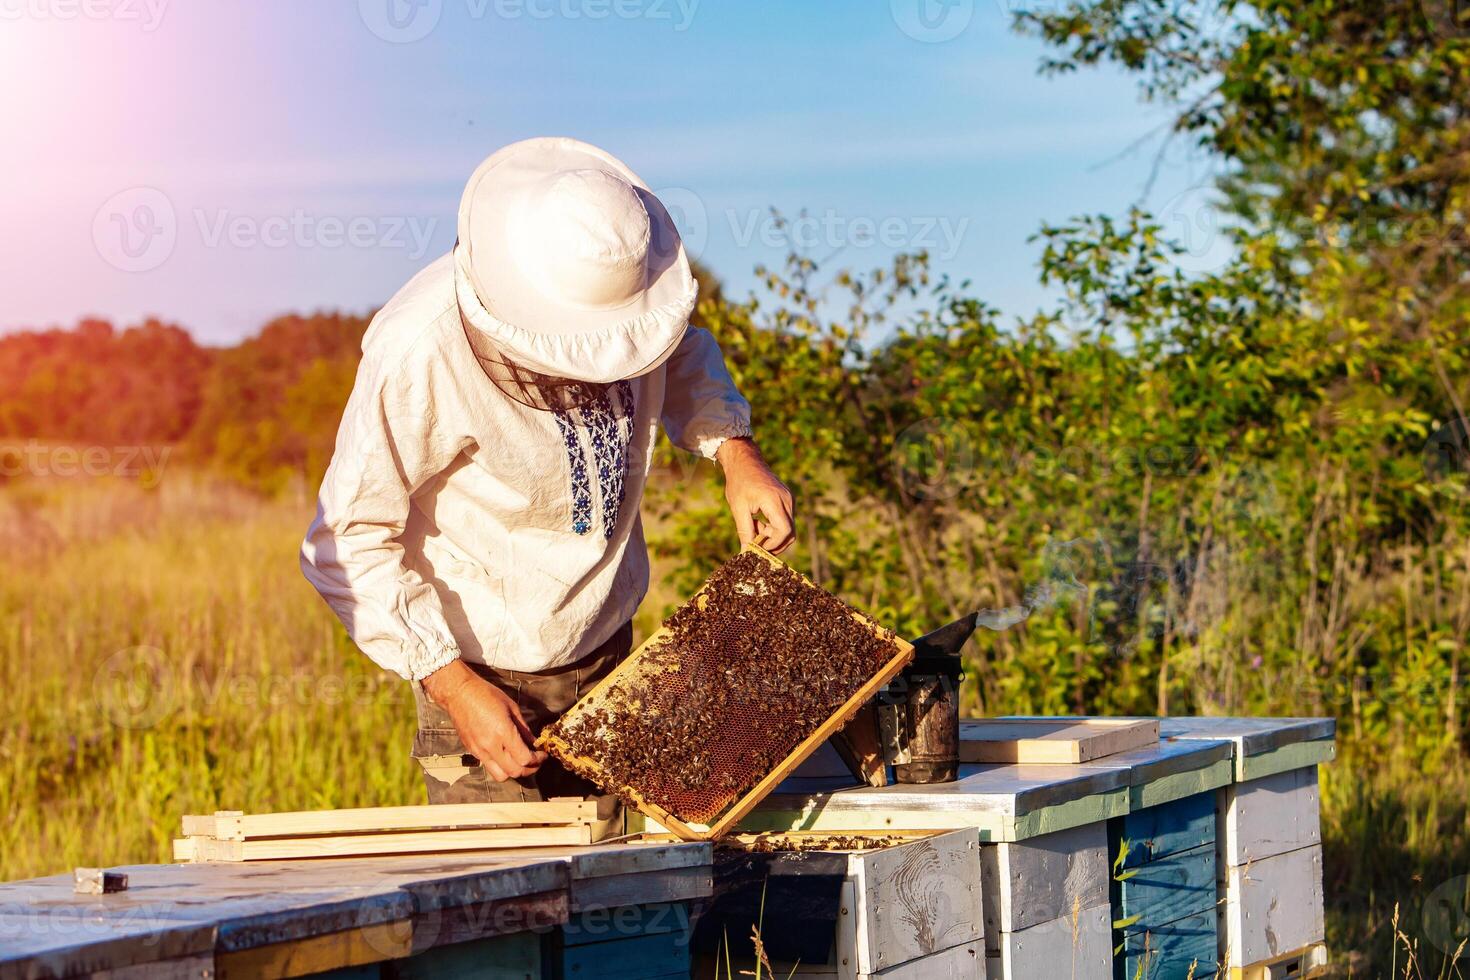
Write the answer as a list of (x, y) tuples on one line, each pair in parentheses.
[(451, 775)]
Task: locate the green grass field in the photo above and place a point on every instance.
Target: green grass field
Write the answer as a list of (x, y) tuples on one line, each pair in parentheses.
[(161, 654)]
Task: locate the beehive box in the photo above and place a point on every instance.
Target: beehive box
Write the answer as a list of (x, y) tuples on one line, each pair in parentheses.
[(1046, 905), (740, 685), (893, 905), (1270, 868)]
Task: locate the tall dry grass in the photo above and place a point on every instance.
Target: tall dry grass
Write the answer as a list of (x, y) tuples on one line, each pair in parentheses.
[(160, 654)]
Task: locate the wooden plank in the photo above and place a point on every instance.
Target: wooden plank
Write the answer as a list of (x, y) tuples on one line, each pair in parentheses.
[(1170, 888), (603, 925), (796, 816), (68, 940), (1175, 950), (256, 924), (1272, 907), (956, 963), (1078, 945), (1159, 831), (233, 825), (634, 958), (1252, 736), (316, 954), (1179, 785), (611, 875), (367, 971), (1300, 964), (197, 967), (1052, 741), (239, 907), (625, 857), (1269, 816), (511, 957), (481, 920), (1030, 882), (916, 899), (409, 842), (636, 662), (858, 746), (1153, 763), (1260, 746), (618, 891), (1296, 756), (1002, 802)]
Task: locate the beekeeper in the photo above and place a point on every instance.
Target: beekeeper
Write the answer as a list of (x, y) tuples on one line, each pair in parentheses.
[(478, 531)]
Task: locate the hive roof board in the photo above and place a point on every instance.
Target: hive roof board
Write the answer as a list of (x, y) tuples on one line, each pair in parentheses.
[(173, 912), (1006, 802), (1260, 746)]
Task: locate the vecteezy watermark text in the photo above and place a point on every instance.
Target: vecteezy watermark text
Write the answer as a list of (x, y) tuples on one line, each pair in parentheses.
[(302, 229), (939, 235), (407, 21), (138, 229), (39, 459), (147, 13)]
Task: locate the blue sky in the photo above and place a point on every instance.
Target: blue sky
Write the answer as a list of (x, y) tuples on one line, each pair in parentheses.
[(218, 164)]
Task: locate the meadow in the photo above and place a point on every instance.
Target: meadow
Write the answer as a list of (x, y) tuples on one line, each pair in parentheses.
[(162, 655)]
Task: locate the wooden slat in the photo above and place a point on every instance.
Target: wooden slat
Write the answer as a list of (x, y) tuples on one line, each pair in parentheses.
[(956, 963), (617, 891), (481, 920), (1052, 742), (1078, 945), (1270, 816), (1300, 964), (316, 954), (1273, 906), (285, 848), (636, 663), (229, 825), (1170, 888), (603, 925), (632, 958), (1002, 802), (511, 957), (916, 899), (1182, 948), (1158, 831), (1030, 882), (858, 746)]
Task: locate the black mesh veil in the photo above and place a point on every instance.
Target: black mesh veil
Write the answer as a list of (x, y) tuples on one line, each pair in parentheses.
[(542, 392)]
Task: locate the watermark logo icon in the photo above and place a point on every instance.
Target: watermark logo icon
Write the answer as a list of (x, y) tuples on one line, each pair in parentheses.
[(1447, 916), (1450, 19), (689, 215), (1447, 450), (136, 230), (401, 21), (933, 459), (135, 688), (932, 21), (1192, 220)]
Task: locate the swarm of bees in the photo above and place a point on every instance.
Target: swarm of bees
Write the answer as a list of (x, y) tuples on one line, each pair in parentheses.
[(747, 671)]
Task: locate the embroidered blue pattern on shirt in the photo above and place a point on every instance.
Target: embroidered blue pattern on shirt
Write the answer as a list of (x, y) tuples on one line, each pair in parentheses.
[(610, 431), (581, 489)]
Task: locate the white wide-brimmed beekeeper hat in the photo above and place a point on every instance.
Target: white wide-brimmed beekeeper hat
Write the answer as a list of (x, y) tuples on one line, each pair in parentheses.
[(569, 264)]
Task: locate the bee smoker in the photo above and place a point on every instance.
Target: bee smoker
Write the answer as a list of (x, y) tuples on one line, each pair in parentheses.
[(919, 712)]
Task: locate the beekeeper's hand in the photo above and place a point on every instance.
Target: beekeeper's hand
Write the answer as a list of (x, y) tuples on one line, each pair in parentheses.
[(488, 721), (760, 503)]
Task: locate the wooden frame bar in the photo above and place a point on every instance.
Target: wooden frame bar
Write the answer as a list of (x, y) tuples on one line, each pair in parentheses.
[(234, 825)]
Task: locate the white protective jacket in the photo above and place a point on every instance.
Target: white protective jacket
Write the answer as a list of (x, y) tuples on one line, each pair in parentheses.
[(455, 521)]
